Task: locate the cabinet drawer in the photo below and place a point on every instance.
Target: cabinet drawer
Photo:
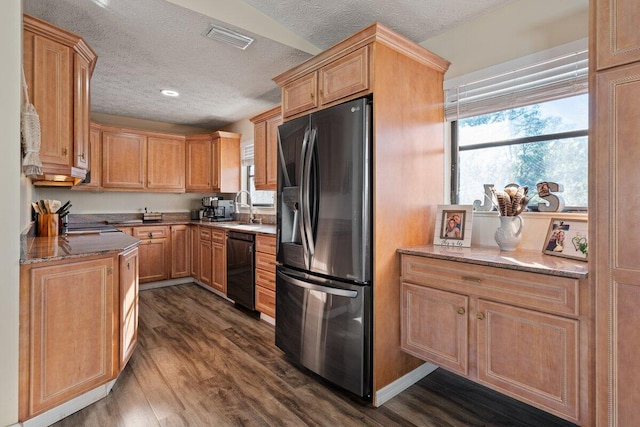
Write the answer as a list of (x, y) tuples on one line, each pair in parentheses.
[(266, 244), (344, 77), (266, 262), (152, 232), (218, 236), (266, 301), (205, 234), (300, 95), (266, 279), (540, 291)]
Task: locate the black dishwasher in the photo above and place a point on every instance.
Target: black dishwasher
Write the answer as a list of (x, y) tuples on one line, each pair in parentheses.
[(240, 273)]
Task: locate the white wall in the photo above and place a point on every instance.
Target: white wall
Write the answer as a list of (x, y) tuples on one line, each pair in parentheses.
[(10, 215), (518, 29)]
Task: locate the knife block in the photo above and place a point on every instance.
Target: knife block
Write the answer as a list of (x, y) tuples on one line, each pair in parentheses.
[(47, 225)]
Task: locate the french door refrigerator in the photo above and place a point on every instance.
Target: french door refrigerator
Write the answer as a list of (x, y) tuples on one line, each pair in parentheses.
[(323, 280)]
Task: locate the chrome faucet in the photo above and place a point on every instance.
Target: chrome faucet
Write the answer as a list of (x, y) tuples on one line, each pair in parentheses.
[(252, 220)]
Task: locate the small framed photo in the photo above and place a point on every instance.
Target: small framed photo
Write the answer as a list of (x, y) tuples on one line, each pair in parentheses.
[(567, 238), (453, 226)]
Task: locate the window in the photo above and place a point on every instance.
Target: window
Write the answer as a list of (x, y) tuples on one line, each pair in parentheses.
[(526, 145), (259, 197), (522, 122)]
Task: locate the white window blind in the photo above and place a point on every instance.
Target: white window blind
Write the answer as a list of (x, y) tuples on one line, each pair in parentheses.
[(544, 76), (247, 155)]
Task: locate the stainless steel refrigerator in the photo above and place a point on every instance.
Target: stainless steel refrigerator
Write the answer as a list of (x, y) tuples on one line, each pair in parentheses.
[(323, 281)]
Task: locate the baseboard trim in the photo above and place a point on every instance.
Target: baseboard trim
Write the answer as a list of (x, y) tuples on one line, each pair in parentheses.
[(74, 405), (164, 283), (270, 320), (393, 389)]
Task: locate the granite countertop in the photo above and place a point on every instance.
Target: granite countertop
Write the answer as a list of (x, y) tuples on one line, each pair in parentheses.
[(236, 226), (42, 249), (522, 260)]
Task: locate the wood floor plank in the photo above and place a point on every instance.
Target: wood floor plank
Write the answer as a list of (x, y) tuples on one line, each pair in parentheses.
[(200, 361)]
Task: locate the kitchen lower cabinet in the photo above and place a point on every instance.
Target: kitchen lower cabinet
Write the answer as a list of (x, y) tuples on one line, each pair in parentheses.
[(265, 274), (180, 249), (155, 252), (68, 330), (128, 305), (194, 265), (205, 257), (219, 260), (527, 335)]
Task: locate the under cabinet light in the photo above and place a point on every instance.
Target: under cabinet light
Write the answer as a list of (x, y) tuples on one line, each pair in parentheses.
[(169, 92), (225, 35)]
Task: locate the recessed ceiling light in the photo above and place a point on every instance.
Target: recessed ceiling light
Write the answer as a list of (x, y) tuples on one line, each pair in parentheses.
[(168, 92)]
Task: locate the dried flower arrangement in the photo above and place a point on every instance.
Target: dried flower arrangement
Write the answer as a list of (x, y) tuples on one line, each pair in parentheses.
[(512, 200)]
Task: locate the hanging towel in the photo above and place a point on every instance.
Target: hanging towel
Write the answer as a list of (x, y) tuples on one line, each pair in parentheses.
[(30, 129)]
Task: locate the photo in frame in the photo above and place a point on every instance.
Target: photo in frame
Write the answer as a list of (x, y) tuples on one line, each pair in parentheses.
[(453, 226), (567, 238)]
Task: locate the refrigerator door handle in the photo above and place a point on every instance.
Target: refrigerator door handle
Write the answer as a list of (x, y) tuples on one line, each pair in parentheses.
[(307, 193), (301, 185), (313, 287)]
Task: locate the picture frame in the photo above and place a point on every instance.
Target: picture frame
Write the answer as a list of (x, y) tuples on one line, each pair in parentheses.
[(567, 238), (453, 226)]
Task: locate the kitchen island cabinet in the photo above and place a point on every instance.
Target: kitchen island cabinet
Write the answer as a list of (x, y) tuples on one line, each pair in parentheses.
[(58, 67), (78, 320), (525, 334)]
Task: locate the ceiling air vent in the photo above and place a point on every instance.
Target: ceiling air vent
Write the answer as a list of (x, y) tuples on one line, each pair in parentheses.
[(224, 35)]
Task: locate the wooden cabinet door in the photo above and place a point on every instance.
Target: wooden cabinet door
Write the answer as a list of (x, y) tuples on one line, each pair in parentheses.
[(260, 155), (271, 161), (81, 122), (124, 156), (346, 76), (71, 313), (128, 305), (226, 162), (180, 265), (616, 32), (194, 231), (52, 95), (154, 259), (615, 268), (300, 95), (199, 160), (206, 262), (95, 158), (435, 326), (266, 301), (530, 355), (165, 167), (219, 263)]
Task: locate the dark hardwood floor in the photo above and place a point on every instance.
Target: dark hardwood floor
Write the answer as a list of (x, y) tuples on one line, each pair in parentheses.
[(202, 362)]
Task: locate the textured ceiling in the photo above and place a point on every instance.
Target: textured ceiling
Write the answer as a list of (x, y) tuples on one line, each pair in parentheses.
[(144, 46)]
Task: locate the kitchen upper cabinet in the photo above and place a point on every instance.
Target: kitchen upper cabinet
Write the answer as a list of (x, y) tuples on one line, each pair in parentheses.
[(199, 163), (58, 67), (69, 330), (213, 162), (93, 180), (343, 77), (124, 159), (128, 305), (155, 252), (135, 160), (616, 32), (265, 149), (165, 164), (180, 248)]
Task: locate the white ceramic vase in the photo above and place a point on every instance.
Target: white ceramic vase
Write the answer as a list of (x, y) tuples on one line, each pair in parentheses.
[(509, 234)]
